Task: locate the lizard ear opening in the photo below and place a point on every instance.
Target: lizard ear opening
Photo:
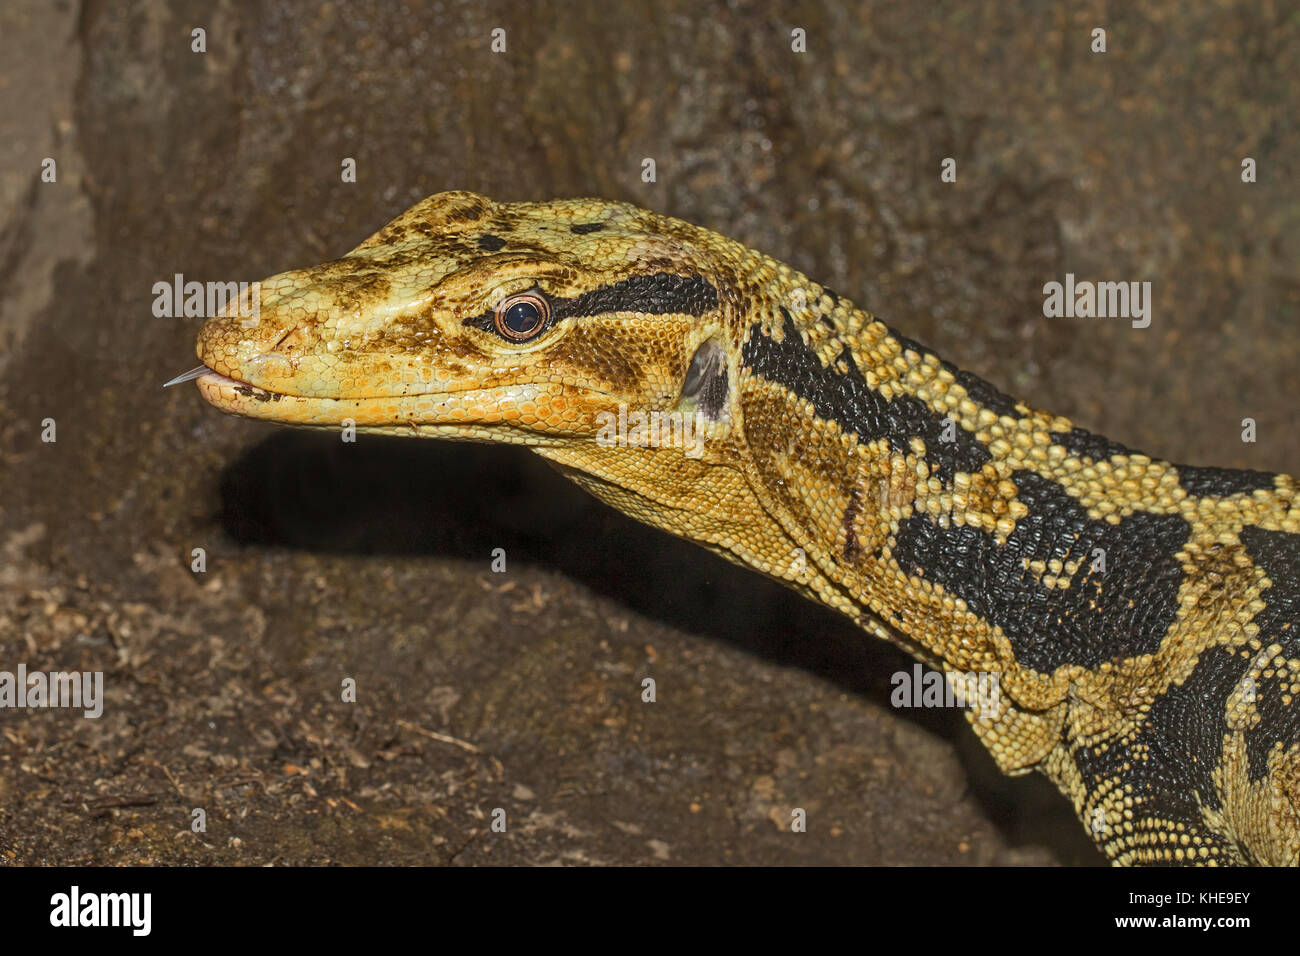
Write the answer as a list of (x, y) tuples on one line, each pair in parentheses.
[(706, 380)]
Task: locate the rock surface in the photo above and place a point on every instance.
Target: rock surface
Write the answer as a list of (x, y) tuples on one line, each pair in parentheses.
[(521, 691)]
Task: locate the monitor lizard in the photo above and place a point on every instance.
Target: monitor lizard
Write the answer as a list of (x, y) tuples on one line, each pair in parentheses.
[(1139, 616)]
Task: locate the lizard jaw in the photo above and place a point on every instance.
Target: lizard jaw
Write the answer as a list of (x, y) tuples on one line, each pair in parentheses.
[(511, 413)]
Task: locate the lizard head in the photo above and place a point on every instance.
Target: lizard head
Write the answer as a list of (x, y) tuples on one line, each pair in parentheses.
[(545, 324), (624, 346)]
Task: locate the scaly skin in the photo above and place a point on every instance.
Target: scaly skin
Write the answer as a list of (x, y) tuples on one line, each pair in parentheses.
[(1139, 616)]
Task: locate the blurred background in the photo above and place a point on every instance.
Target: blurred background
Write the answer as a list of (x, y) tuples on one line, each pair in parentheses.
[(371, 561)]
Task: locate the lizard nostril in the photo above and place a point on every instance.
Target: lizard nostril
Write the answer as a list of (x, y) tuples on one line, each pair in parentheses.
[(290, 340), (271, 363)]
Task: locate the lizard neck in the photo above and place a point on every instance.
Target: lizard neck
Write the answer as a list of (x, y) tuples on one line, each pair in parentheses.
[(1114, 597), (982, 534)]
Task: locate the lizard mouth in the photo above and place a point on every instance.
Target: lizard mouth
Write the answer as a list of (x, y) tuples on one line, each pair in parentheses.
[(213, 385), (468, 413), (212, 381), (254, 401)]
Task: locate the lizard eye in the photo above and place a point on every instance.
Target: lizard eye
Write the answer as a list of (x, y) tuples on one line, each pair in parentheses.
[(520, 317)]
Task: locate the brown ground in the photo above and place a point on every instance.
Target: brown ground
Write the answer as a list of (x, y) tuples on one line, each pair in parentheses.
[(521, 691)]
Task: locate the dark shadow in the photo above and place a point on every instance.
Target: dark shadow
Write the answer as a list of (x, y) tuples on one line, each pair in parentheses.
[(309, 490)]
